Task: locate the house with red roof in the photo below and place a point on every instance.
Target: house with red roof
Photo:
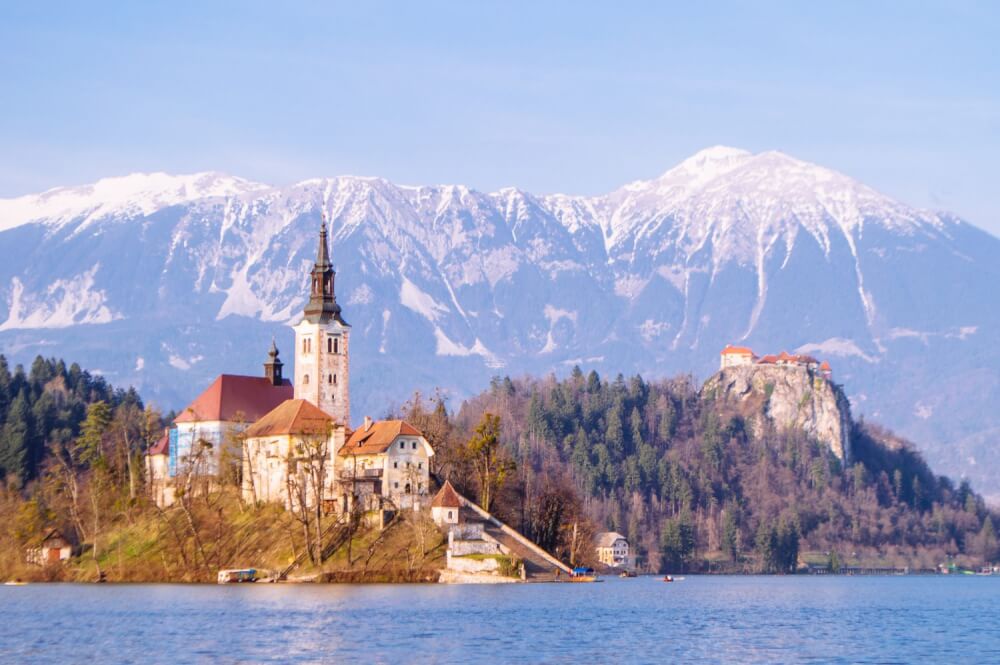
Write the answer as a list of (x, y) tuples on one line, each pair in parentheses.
[(297, 454), (735, 356), (192, 447)]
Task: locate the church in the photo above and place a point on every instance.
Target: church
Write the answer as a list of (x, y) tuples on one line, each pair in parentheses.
[(292, 440)]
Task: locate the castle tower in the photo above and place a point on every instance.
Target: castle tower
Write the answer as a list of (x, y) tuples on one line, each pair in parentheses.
[(322, 367)]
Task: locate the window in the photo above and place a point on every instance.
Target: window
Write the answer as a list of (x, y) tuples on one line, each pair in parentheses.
[(420, 465), (336, 346), (329, 345), (334, 379), (395, 465), (306, 345), (408, 489), (395, 485), (402, 444), (407, 465), (305, 379), (450, 513), (414, 445)]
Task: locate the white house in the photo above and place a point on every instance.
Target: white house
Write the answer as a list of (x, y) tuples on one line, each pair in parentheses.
[(613, 549), (389, 458)]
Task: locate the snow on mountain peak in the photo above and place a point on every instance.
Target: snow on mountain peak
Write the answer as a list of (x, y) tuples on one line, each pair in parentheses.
[(137, 193)]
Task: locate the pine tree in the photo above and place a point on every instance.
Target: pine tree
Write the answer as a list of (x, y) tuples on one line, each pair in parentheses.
[(15, 440)]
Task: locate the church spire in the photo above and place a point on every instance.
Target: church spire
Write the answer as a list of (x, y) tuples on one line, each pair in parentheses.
[(272, 368), (322, 306)]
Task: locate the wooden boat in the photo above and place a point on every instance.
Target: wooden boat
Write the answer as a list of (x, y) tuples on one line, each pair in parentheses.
[(668, 578), (237, 576), (627, 573)]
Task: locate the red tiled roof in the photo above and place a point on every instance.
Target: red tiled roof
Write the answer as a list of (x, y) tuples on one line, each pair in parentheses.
[(232, 397), (162, 446), (293, 416), (447, 497), (377, 438), (825, 366), (768, 360), (731, 350)]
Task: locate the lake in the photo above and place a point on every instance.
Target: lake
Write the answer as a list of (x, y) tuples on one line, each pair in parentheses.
[(643, 620)]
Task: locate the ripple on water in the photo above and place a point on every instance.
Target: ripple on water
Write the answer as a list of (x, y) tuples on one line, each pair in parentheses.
[(702, 619)]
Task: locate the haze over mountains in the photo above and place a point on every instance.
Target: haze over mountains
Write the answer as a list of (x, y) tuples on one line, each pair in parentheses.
[(165, 281)]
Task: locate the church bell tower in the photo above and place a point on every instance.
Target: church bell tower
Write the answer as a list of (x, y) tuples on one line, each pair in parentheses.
[(322, 367)]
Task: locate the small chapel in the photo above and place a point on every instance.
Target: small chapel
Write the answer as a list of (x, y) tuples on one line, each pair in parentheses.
[(293, 438)]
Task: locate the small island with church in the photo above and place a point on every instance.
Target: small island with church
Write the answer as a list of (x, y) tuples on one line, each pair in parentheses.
[(297, 450)]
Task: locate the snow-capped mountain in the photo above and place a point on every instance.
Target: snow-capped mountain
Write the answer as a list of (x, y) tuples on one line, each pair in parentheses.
[(164, 281)]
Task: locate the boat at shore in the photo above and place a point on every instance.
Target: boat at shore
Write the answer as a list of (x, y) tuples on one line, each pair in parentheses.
[(582, 574), (237, 576)]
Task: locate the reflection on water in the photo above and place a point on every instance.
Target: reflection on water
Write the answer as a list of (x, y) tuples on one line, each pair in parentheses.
[(702, 619)]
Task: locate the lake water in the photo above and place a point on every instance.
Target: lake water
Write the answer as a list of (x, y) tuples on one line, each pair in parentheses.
[(700, 619)]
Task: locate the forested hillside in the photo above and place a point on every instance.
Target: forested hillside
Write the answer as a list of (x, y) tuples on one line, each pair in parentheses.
[(687, 481), (690, 480), (43, 409)]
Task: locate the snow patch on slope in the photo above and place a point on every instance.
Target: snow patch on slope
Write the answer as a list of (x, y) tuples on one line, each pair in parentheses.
[(66, 302), (411, 297)]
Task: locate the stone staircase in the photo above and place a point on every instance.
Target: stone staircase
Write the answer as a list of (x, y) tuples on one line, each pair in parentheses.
[(537, 567)]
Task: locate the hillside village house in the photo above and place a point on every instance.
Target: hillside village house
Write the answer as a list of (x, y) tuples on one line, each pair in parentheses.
[(294, 438), (54, 548), (613, 549)]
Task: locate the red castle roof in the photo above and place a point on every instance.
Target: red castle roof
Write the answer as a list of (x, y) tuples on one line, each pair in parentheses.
[(731, 350)]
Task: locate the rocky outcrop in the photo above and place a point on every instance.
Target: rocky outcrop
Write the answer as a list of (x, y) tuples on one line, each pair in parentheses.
[(788, 396)]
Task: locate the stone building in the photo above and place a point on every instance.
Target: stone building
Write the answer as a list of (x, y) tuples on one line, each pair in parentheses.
[(322, 343), (212, 425), (288, 455), (734, 356), (389, 459), (446, 505)]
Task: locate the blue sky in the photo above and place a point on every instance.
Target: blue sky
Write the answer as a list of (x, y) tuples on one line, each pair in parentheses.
[(572, 97)]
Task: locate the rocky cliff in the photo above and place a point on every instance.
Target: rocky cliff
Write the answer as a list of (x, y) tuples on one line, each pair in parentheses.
[(788, 396)]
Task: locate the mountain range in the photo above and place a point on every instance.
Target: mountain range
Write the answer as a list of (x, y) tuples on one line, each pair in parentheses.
[(164, 281)]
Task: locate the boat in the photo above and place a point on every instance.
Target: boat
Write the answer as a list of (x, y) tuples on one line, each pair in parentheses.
[(15, 583), (237, 576), (668, 578), (627, 573), (582, 574)]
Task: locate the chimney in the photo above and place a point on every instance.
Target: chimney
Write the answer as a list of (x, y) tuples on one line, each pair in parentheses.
[(368, 423)]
